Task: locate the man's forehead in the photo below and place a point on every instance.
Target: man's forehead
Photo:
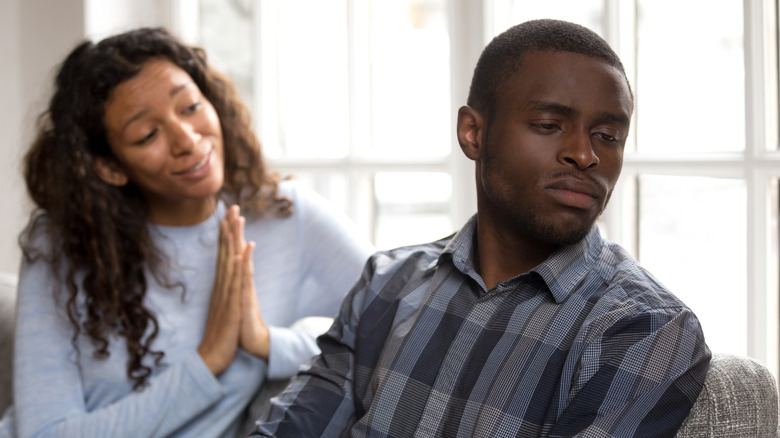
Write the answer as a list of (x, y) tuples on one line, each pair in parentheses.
[(564, 75)]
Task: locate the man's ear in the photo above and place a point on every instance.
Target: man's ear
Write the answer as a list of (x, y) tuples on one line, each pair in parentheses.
[(110, 171), (471, 126)]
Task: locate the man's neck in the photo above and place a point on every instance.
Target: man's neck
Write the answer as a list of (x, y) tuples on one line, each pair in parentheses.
[(500, 255)]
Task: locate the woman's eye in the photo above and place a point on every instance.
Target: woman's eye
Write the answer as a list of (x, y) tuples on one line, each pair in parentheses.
[(192, 108), (149, 137)]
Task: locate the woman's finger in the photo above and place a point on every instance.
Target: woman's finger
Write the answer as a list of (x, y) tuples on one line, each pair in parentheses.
[(254, 337)]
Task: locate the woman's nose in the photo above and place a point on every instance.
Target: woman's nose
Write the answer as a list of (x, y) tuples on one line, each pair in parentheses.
[(183, 137)]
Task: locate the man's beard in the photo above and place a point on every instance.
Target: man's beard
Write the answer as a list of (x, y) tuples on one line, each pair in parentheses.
[(526, 222)]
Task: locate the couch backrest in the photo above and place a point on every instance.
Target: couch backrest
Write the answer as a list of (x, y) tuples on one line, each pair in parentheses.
[(739, 399), (7, 322)]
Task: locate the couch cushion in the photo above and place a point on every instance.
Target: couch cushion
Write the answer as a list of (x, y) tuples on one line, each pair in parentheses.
[(739, 399), (7, 320)]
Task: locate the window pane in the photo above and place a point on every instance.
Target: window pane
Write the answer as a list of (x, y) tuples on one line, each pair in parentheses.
[(692, 238), (311, 68), (588, 13), (773, 259), (690, 81), (226, 35), (409, 94), (411, 207), (331, 185)]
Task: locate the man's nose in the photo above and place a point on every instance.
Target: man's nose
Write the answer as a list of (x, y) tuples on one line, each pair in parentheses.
[(578, 151)]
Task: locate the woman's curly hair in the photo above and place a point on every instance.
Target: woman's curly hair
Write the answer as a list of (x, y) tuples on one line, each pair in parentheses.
[(98, 232)]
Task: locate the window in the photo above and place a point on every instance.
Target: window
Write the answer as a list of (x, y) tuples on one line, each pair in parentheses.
[(692, 238), (690, 85), (697, 201), (358, 97), (352, 98)]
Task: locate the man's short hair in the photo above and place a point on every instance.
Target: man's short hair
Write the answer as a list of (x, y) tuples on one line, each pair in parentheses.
[(502, 58)]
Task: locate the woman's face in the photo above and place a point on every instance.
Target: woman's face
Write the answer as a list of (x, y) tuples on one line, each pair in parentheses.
[(167, 140)]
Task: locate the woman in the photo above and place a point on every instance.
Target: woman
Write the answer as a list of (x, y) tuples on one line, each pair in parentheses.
[(147, 306)]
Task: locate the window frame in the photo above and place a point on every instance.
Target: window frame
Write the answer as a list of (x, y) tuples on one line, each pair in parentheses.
[(758, 165), (473, 22)]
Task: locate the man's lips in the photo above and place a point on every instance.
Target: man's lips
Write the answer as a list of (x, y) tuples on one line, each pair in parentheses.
[(576, 193)]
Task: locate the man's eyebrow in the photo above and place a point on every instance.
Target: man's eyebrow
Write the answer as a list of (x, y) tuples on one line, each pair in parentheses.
[(541, 105), (615, 118), (566, 111)]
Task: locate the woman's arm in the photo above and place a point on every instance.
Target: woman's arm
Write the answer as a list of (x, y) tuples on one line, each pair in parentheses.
[(49, 392), (333, 255)]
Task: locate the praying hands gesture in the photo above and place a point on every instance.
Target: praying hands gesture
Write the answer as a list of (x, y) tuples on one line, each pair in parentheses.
[(234, 315)]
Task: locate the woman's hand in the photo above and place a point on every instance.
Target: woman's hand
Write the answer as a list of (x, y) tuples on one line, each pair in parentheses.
[(223, 326), (234, 316), (254, 337)]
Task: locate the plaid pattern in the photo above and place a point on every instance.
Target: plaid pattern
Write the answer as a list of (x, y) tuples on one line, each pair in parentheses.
[(586, 344)]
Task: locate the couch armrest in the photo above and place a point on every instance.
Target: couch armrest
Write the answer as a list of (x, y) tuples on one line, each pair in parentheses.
[(7, 323), (739, 398)]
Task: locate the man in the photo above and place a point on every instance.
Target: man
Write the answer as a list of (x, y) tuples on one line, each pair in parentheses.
[(525, 322)]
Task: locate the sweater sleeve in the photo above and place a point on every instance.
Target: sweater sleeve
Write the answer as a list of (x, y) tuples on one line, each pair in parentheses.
[(332, 257), (50, 399)]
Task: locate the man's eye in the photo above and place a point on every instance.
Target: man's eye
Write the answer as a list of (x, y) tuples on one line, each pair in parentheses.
[(545, 126), (607, 137)]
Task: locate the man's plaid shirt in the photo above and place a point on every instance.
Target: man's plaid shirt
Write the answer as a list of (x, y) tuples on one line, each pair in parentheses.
[(588, 344)]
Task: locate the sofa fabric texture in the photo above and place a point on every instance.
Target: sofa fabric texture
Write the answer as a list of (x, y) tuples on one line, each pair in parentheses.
[(739, 399), (7, 321)]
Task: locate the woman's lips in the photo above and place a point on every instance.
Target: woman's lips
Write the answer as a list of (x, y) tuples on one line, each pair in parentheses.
[(200, 167)]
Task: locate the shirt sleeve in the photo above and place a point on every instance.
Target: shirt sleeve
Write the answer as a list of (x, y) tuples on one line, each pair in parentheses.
[(50, 399), (640, 377), (332, 256), (319, 400)]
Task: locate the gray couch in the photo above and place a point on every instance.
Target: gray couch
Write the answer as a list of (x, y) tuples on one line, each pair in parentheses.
[(7, 311), (739, 398)]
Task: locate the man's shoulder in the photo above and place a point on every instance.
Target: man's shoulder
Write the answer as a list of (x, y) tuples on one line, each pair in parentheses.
[(418, 256), (628, 280), (391, 274)]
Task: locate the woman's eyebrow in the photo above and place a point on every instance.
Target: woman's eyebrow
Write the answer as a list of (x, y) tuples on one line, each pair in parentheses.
[(132, 119), (139, 114), (178, 88)]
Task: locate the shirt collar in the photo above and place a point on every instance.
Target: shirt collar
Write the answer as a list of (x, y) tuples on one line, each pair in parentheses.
[(563, 271), (567, 267)]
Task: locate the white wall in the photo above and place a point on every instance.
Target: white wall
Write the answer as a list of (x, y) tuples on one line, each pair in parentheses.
[(11, 192), (35, 36), (108, 17)]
